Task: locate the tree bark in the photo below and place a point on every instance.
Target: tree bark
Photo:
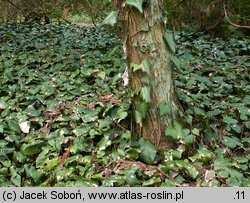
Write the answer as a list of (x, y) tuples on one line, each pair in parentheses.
[(143, 40)]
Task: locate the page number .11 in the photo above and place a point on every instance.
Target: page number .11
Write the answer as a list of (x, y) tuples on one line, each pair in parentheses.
[(240, 195)]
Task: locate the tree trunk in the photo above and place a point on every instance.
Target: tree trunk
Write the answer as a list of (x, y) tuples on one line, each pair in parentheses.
[(143, 41)]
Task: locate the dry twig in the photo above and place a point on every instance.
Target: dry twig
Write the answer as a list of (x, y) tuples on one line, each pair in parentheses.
[(233, 24)]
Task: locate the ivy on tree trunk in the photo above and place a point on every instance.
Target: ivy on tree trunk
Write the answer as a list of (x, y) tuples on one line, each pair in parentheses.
[(151, 77)]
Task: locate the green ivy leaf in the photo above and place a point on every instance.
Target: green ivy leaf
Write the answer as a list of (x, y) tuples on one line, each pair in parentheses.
[(193, 172), (132, 153), (146, 94), (165, 108), (168, 183), (244, 110), (175, 131), (16, 180), (246, 183), (132, 179), (136, 67), (236, 128), (136, 3), (248, 124), (241, 159), (196, 131), (148, 151), (177, 154), (246, 100), (231, 142), (229, 120), (104, 143), (61, 174), (169, 40), (151, 181), (145, 66), (3, 105), (111, 19), (233, 182), (42, 158), (189, 139), (203, 155), (51, 164), (246, 139), (223, 174), (33, 148), (138, 117), (143, 109), (1, 127), (13, 125), (220, 163), (19, 157), (199, 111), (235, 174), (122, 114), (36, 175), (145, 80), (214, 183)]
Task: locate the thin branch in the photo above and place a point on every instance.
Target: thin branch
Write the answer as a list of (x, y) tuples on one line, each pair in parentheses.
[(233, 24)]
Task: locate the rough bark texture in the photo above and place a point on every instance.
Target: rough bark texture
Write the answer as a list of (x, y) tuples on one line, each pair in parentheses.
[(140, 45)]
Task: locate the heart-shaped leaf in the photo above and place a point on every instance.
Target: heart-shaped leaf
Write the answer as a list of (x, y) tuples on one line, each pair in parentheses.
[(135, 3), (111, 19), (146, 94), (148, 151), (169, 40)]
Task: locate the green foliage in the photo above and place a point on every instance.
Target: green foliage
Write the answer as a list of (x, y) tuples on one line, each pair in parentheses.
[(213, 86), (111, 19), (148, 151), (180, 134), (215, 89), (135, 3), (39, 11), (64, 111), (169, 40), (30, 11), (144, 67), (146, 94), (79, 18), (207, 15), (59, 104), (165, 108)]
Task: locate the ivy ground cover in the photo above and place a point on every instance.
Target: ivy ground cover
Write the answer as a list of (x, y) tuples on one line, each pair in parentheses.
[(65, 114)]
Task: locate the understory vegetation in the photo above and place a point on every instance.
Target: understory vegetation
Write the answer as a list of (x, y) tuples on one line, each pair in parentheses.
[(65, 114)]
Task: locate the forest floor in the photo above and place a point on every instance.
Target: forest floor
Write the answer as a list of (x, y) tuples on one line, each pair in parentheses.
[(65, 114)]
